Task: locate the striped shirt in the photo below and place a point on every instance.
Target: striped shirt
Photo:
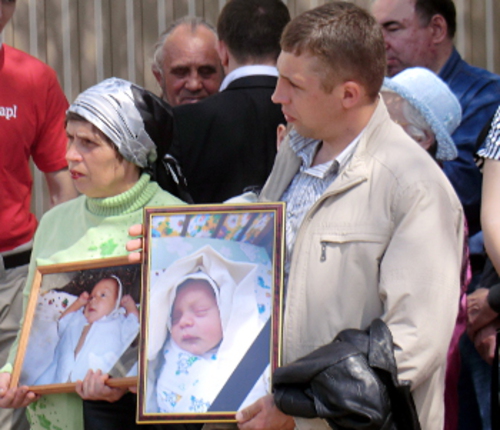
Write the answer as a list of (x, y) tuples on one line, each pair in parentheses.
[(308, 184), (491, 149)]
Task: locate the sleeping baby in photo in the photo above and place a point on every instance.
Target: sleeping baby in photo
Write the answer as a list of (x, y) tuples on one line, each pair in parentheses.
[(94, 331), (211, 320)]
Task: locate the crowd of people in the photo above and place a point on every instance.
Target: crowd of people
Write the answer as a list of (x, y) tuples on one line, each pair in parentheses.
[(384, 144)]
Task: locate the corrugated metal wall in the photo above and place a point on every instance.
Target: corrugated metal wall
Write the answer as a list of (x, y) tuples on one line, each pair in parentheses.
[(86, 41)]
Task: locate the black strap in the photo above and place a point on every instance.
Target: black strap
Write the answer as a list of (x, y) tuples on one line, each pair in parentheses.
[(247, 373), (173, 170), (127, 360), (16, 260)]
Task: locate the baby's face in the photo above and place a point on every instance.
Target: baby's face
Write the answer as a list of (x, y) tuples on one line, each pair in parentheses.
[(102, 300), (196, 325)]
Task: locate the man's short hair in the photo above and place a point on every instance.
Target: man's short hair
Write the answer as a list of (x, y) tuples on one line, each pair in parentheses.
[(347, 41), (426, 9), (251, 29), (192, 21)]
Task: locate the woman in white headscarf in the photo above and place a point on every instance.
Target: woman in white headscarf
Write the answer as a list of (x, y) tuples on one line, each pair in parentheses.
[(110, 151)]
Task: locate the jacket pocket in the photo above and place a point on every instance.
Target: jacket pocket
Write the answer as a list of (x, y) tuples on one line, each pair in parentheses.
[(345, 238)]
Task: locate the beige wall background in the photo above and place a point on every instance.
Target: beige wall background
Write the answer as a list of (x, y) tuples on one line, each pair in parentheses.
[(86, 41)]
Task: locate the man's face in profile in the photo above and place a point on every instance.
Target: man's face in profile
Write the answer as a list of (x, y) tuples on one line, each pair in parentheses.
[(191, 69), (407, 38), (304, 102)]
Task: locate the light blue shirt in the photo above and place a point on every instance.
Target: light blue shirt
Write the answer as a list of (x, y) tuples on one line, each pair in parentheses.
[(308, 184)]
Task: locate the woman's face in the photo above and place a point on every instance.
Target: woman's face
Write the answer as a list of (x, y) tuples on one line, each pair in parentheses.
[(93, 163)]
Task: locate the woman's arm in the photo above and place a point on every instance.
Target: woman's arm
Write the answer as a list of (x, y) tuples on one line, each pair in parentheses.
[(490, 210)]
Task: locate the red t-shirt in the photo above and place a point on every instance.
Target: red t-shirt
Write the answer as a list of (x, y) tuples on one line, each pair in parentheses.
[(32, 113)]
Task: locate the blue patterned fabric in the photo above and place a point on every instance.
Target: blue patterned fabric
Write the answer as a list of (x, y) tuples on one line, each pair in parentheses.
[(491, 148), (308, 185)]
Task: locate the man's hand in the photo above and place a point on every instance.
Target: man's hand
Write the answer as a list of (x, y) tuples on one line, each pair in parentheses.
[(94, 387), (485, 341), (135, 245), (479, 312), (264, 415), (14, 397)]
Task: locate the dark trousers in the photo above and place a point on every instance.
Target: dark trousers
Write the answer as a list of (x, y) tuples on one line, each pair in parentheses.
[(121, 415)]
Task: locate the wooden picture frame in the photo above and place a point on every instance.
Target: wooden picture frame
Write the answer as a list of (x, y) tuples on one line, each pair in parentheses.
[(203, 359), (63, 310)]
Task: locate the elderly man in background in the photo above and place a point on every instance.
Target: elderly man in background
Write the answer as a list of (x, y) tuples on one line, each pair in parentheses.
[(185, 62), (227, 142), (32, 108)]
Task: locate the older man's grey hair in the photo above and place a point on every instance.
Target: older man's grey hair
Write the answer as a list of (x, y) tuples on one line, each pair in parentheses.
[(193, 21), (418, 128)]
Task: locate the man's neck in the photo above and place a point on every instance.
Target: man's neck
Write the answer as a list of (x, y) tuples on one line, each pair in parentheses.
[(442, 56), (233, 64), (355, 122)]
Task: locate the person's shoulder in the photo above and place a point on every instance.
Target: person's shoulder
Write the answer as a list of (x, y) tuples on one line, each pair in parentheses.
[(63, 210), (29, 75), (26, 62), (403, 158), (480, 73), (474, 78), (164, 198)]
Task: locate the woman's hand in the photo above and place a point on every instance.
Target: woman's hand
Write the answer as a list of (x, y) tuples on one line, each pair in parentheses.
[(135, 245), (93, 387), (18, 397), (479, 312)]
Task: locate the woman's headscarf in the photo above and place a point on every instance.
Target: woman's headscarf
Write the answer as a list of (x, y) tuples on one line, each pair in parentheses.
[(134, 119)]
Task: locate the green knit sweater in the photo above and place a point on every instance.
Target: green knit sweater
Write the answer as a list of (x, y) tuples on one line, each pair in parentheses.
[(84, 229)]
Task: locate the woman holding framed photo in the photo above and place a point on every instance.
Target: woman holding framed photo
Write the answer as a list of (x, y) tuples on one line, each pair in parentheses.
[(113, 129)]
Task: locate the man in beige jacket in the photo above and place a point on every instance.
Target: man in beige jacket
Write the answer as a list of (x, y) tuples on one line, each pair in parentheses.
[(374, 228)]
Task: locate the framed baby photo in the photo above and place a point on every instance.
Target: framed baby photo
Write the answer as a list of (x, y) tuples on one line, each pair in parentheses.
[(211, 310), (80, 316)]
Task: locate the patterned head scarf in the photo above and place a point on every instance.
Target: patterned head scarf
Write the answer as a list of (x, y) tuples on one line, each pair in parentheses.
[(128, 115)]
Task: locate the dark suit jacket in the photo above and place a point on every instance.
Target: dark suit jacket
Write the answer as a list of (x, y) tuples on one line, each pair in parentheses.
[(227, 142)]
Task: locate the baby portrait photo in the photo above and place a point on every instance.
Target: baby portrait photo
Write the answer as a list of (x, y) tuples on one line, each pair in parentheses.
[(211, 314), (81, 319)]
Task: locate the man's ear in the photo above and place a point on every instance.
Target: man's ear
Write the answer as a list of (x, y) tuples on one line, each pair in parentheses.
[(223, 53), (439, 28), (158, 76), (428, 140), (352, 93)]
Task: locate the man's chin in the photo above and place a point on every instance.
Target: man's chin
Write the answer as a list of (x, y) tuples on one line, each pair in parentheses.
[(393, 69), (190, 100)]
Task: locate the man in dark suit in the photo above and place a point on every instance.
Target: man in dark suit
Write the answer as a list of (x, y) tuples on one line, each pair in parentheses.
[(227, 142)]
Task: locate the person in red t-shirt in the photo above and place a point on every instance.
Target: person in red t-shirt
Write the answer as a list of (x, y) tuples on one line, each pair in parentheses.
[(32, 112)]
